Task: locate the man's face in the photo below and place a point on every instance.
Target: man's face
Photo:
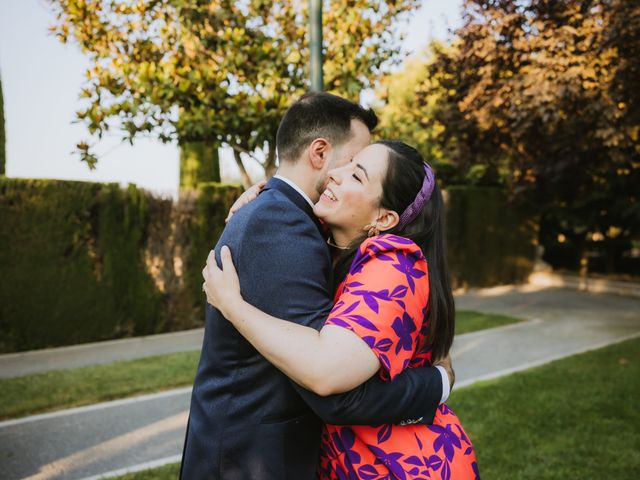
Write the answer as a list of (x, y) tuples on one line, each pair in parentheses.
[(341, 155)]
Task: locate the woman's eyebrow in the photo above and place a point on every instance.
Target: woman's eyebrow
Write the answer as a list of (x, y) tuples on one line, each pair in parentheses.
[(363, 169)]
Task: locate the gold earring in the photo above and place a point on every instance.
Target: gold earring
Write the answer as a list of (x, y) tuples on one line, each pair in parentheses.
[(372, 229)]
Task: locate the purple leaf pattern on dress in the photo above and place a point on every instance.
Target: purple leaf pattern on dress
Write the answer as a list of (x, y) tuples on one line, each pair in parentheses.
[(407, 265), (404, 327), (371, 298), (384, 433), (368, 472), (445, 440), (384, 300), (363, 322), (390, 460)]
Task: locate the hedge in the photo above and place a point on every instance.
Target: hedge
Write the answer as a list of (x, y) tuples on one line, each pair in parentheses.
[(82, 262), (491, 241)]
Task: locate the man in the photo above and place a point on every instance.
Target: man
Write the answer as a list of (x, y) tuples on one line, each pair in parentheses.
[(247, 419)]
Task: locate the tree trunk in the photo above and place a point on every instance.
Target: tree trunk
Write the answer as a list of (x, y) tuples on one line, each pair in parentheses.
[(584, 259), (270, 166), (244, 175), (199, 163)]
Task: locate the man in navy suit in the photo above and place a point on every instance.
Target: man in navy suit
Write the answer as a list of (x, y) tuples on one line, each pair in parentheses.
[(247, 419)]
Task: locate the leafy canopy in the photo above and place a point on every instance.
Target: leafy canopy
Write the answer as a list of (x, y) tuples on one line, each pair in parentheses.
[(543, 96), (218, 71)]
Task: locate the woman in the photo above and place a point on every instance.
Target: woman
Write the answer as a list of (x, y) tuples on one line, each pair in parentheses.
[(393, 310)]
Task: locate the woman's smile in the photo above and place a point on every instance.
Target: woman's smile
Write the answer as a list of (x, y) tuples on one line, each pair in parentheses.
[(351, 197), (329, 196)]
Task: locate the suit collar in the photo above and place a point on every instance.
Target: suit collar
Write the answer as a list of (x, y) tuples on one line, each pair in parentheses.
[(293, 184), (292, 194)]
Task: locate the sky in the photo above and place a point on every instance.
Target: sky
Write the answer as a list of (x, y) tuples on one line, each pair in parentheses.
[(41, 81)]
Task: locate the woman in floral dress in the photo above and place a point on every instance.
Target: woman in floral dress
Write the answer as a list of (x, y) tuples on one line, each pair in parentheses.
[(393, 310)]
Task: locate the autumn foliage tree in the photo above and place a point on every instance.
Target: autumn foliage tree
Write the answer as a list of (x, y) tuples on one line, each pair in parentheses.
[(543, 96), (408, 100), (218, 72)]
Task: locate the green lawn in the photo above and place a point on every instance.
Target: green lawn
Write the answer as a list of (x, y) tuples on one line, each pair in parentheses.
[(83, 386), (168, 472), (469, 321), (575, 418)]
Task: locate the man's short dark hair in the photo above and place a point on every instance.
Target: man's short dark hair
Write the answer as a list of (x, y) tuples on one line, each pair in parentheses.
[(315, 115)]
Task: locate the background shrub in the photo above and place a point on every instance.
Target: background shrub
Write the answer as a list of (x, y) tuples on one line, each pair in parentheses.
[(491, 241), (82, 262)]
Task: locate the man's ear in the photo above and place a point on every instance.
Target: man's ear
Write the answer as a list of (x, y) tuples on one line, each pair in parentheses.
[(387, 219), (319, 152)]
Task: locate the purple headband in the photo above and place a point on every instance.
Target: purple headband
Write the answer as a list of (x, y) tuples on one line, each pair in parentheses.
[(422, 198)]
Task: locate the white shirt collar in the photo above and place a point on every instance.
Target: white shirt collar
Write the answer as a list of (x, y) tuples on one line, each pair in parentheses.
[(296, 188)]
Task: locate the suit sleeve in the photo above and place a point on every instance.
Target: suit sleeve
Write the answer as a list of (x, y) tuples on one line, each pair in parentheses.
[(414, 394), (285, 258)]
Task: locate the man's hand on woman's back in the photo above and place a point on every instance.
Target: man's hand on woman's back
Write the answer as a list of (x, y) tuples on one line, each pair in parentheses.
[(446, 364)]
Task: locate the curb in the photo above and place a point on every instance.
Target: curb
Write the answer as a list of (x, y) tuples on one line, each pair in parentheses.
[(97, 353), (586, 284)]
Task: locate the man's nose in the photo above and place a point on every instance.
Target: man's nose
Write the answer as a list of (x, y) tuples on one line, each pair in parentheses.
[(336, 175)]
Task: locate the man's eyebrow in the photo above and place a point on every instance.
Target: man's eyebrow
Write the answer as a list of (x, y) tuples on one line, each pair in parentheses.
[(363, 169)]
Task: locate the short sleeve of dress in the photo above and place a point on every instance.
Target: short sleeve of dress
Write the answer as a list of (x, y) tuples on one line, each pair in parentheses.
[(384, 299)]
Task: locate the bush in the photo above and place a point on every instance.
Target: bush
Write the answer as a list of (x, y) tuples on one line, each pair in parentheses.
[(206, 222), (84, 262), (491, 241)]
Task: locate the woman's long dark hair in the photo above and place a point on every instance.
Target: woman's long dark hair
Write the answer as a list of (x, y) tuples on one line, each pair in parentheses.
[(402, 182)]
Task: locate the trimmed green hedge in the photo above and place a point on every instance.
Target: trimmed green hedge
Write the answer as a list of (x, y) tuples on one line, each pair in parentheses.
[(491, 241), (75, 257), (82, 262)]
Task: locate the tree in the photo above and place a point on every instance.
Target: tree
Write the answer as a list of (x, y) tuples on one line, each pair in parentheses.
[(402, 117), (543, 96), (3, 151), (220, 72)]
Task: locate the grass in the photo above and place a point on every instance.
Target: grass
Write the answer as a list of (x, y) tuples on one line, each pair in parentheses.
[(468, 321), (573, 418), (83, 386), (167, 472)]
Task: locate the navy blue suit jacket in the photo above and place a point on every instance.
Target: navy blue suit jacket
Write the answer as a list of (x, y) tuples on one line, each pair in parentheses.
[(247, 419)]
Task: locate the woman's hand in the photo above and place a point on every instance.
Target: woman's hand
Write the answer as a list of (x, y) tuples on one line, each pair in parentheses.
[(248, 196), (222, 286)]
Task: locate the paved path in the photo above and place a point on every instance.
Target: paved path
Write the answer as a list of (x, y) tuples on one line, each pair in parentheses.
[(38, 361), (149, 430), (560, 323)]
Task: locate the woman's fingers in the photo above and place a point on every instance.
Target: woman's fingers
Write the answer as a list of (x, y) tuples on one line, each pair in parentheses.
[(211, 258), (227, 261), (248, 196)]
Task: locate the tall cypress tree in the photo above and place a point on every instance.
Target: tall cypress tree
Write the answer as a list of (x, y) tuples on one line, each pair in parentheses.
[(199, 162), (3, 156)]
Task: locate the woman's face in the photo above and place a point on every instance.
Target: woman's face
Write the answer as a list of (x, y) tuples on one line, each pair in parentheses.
[(352, 197)]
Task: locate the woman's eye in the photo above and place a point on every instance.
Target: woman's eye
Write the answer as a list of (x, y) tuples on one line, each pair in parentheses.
[(356, 177)]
